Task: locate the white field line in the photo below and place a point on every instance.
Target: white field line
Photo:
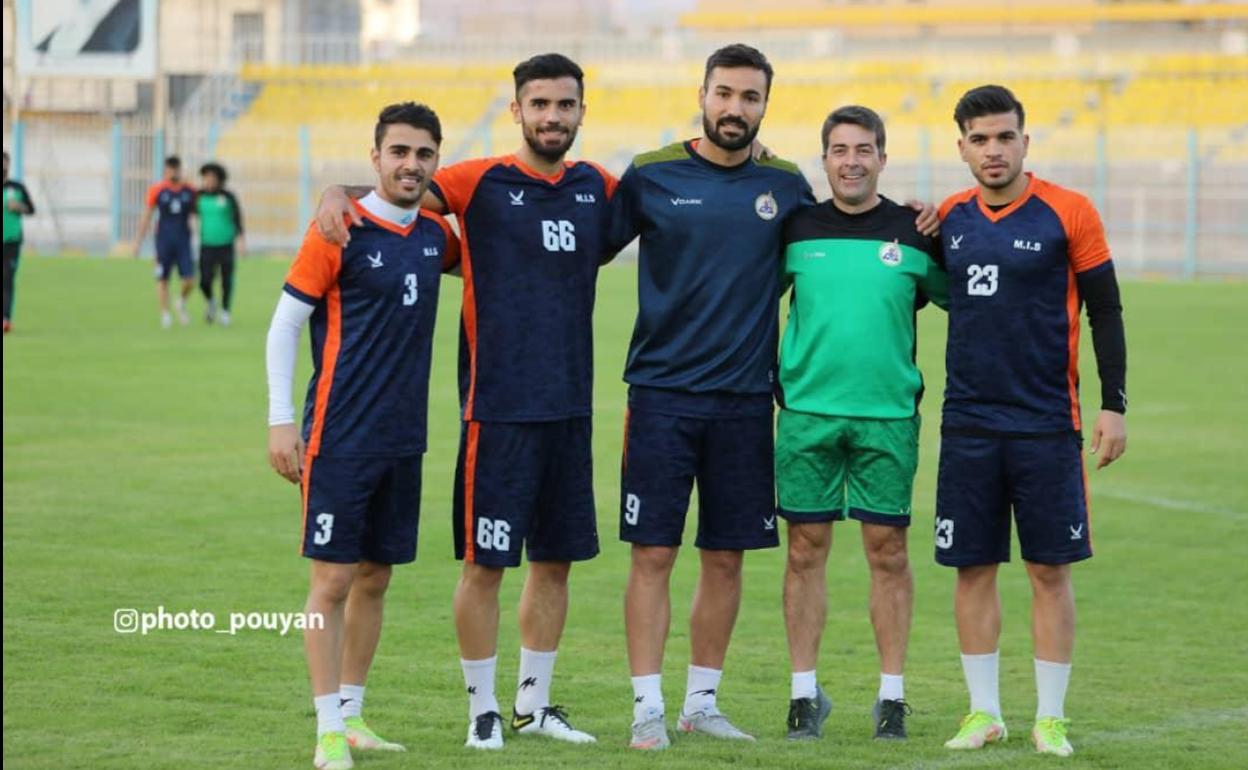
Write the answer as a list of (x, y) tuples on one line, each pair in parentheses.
[(1168, 503)]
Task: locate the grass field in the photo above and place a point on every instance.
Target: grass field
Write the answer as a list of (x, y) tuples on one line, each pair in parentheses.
[(135, 476)]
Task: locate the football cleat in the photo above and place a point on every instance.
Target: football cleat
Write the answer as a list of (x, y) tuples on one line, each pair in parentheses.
[(332, 753), (1049, 737), (362, 737), (551, 721), (485, 731), (978, 728), (223, 317), (807, 715), (889, 717), (713, 724), (650, 734)]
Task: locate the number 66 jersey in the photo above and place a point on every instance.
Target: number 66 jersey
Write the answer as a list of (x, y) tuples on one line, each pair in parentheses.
[(1012, 357)]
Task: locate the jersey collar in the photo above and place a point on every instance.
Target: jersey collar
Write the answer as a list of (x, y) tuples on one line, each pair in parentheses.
[(1015, 205)]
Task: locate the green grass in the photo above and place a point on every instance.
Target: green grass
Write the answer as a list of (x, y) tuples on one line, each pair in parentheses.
[(135, 475)]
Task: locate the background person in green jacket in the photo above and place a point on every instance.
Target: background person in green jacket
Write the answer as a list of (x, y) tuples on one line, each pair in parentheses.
[(848, 432), (220, 239), (17, 204)]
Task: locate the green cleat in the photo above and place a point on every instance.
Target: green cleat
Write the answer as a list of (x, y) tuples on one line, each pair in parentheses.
[(362, 737), (978, 728), (1049, 736), (332, 753)]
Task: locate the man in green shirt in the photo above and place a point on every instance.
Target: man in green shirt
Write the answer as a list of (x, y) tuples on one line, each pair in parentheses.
[(17, 204), (848, 387), (220, 230)]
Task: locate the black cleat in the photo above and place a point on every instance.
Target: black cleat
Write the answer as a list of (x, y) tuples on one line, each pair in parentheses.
[(807, 715), (889, 717)]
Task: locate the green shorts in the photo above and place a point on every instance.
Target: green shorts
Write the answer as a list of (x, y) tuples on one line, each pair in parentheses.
[(831, 467)]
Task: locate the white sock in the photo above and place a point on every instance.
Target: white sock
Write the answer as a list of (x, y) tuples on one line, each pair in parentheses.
[(804, 684), (1051, 681), (700, 690), (328, 714), (479, 678), (647, 697), (533, 684), (981, 680), (351, 700), (892, 687)]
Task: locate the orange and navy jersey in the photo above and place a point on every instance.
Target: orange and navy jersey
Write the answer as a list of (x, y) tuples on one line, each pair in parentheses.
[(1012, 357), (176, 203), (372, 333), (531, 249)]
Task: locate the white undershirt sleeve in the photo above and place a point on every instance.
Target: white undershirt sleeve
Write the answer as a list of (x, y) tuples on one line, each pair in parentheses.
[(281, 351)]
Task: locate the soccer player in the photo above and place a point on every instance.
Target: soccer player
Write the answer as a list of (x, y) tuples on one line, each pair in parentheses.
[(220, 239), (533, 227), (372, 306), (17, 204), (700, 369), (176, 202), (1023, 255), (848, 432)]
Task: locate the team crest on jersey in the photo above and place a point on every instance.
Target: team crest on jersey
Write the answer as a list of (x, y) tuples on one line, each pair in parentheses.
[(890, 254), (766, 207)]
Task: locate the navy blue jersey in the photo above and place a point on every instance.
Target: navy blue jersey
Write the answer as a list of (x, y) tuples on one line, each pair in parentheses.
[(1012, 358), (176, 203), (372, 333), (531, 249), (708, 278)]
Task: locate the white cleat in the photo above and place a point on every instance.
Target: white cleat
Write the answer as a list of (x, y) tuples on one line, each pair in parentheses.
[(550, 721), (166, 320), (713, 724), (223, 317), (486, 731)]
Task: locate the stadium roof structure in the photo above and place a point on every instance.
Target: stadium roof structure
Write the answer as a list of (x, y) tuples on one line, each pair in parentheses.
[(1016, 14)]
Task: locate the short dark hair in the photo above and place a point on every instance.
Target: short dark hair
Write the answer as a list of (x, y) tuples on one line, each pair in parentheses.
[(548, 66), (212, 167), (173, 161), (986, 100), (409, 114), (738, 55), (857, 115)]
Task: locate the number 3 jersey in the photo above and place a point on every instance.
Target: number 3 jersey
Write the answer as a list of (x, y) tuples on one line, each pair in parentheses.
[(375, 302), (531, 249), (1012, 357)]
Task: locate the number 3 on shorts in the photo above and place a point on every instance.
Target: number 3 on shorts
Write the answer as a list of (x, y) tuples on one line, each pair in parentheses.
[(944, 533), (326, 522)]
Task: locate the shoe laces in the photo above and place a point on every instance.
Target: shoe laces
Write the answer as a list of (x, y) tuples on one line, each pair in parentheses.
[(556, 712), (892, 709), (800, 710), (1053, 728), (484, 726)]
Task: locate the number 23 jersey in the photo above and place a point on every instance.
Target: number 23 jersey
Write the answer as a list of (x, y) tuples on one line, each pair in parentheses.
[(1012, 358)]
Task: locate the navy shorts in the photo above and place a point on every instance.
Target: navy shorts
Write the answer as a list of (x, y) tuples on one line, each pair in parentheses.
[(732, 461), (170, 252), (525, 482), (1040, 478), (361, 508)]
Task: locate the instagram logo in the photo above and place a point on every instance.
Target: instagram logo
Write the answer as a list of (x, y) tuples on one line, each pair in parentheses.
[(126, 621)]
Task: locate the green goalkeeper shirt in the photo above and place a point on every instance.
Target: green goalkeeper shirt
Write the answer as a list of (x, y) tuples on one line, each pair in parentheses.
[(858, 280)]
